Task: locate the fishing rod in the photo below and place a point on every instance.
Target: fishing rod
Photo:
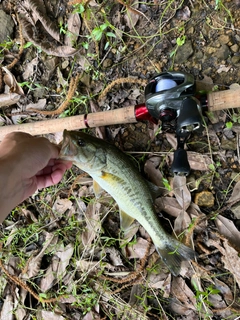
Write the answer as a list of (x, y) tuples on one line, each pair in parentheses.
[(169, 96)]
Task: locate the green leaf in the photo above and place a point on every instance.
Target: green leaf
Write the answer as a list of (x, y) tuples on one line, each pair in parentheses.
[(104, 26), (229, 125), (211, 167), (97, 34), (27, 45), (181, 40), (111, 34), (79, 8)]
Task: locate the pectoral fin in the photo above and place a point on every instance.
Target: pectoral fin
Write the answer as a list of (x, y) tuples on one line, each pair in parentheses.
[(111, 178), (97, 189), (125, 220)]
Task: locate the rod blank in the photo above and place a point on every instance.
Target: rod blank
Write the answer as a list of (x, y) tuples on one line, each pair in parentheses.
[(216, 101)]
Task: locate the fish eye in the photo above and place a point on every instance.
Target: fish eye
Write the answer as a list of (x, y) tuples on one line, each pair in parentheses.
[(81, 143)]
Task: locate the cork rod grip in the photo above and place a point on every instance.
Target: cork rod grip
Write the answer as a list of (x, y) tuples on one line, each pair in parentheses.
[(226, 99), (104, 118)]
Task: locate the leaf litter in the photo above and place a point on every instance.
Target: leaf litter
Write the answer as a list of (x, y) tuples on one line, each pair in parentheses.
[(59, 251)]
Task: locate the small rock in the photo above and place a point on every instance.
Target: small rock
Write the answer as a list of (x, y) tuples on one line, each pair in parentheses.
[(7, 25), (204, 199), (184, 52), (228, 133), (39, 93), (227, 144), (199, 55), (210, 50), (223, 52), (128, 146), (224, 39), (190, 30), (107, 63), (235, 48), (235, 59), (65, 64)]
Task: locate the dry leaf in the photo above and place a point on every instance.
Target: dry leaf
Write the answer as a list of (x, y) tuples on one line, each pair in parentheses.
[(161, 281), (183, 14), (182, 222), (7, 308), (48, 279), (169, 205), (181, 191), (49, 47), (58, 268), (11, 82), (60, 206), (48, 315), (61, 80), (184, 294), (92, 266), (235, 196), (230, 258), (64, 254), (4, 120), (40, 105), (114, 256), (34, 263), (223, 68), (138, 249), (225, 290), (30, 69), (136, 292), (151, 169), (39, 10), (227, 228), (93, 221), (132, 17), (171, 138), (91, 316), (74, 25)]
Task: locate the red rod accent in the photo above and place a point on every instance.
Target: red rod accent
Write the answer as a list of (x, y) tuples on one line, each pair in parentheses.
[(86, 121), (141, 113)]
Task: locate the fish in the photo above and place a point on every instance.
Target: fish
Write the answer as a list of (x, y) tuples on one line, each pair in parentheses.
[(113, 171)]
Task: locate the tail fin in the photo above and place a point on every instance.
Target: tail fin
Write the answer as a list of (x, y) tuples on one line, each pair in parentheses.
[(174, 253)]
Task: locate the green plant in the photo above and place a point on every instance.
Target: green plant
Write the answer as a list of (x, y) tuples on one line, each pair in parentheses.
[(229, 124), (7, 45), (202, 298), (180, 41), (63, 28), (166, 184), (219, 5)]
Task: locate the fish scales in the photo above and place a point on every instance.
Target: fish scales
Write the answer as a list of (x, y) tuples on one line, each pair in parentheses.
[(115, 173)]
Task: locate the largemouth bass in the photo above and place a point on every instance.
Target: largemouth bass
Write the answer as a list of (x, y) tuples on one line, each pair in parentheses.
[(112, 170)]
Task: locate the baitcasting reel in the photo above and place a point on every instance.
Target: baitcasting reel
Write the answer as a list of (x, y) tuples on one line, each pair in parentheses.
[(170, 97)]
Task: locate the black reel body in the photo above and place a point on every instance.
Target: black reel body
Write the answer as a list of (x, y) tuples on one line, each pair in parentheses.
[(170, 97)]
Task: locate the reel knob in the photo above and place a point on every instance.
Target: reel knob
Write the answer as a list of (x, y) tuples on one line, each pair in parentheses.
[(180, 165)]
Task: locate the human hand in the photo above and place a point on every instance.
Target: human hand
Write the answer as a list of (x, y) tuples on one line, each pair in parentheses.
[(27, 163)]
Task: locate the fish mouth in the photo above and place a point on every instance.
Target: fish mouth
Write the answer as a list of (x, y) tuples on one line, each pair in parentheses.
[(68, 148)]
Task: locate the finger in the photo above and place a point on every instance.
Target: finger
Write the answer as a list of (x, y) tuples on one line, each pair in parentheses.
[(17, 136), (54, 165), (53, 177)]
